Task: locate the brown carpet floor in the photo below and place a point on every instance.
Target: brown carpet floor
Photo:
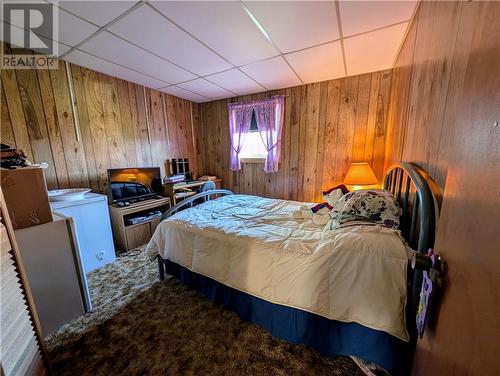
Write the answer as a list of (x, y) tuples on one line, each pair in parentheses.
[(141, 326)]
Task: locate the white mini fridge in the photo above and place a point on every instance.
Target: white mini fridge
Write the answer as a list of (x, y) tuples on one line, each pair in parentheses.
[(93, 228)]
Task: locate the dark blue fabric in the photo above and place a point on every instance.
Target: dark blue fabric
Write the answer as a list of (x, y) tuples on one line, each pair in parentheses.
[(329, 337)]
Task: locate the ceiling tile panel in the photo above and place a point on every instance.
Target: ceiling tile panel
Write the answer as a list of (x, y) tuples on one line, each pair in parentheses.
[(150, 30), (224, 26), (273, 73), (182, 93), (361, 16), (373, 51), (318, 63), (205, 88), (112, 48), (293, 25), (98, 12), (72, 30), (236, 81), (88, 61)]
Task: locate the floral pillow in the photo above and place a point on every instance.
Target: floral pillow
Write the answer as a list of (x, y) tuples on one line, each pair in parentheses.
[(377, 206)]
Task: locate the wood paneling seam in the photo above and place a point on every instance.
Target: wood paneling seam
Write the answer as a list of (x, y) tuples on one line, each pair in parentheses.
[(147, 113), (72, 99), (165, 117)]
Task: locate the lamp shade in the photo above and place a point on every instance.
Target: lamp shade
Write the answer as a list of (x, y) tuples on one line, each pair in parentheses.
[(360, 173)]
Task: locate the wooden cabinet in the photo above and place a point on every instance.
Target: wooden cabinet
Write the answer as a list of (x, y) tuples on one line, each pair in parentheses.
[(129, 237), (137, 235), (154, 224)]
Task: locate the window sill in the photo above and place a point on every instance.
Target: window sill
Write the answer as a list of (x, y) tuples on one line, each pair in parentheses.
[(253, 160)]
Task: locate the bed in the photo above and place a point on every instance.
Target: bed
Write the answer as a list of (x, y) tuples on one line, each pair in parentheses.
[(299, 281)]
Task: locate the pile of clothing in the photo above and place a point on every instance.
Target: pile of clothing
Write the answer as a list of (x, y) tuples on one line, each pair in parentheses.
[(11, 157)]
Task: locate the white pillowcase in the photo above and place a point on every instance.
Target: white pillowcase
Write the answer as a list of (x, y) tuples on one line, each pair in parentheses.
[(333, 197)]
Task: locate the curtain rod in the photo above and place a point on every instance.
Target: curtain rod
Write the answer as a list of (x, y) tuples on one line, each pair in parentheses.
[(257, 100), (276, 95)]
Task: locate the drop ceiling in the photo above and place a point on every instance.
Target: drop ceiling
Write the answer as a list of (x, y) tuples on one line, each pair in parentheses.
[(210, 50)]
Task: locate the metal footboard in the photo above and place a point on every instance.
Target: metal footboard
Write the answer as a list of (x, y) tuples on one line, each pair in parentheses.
[(188, 201)]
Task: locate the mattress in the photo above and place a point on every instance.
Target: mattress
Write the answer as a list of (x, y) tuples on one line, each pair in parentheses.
[(351, 274)]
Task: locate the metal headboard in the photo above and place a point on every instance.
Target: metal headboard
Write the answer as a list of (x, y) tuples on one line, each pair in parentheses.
[(418, 221), (407, 184)]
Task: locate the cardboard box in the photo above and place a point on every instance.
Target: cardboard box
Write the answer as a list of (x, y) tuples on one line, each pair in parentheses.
[(26, 196)]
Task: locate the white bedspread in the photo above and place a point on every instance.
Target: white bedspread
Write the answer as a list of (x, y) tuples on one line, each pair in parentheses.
[(253, 244)]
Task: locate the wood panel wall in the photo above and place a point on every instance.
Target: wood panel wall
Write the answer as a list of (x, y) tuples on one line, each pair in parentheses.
[(37, 117), (327, 125), (444, 103)]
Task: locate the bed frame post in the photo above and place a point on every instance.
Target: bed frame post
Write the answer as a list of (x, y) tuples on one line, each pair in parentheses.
[(161, 268), (418, 226)]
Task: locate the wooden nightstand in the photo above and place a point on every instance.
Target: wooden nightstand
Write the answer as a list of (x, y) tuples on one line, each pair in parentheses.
[(131, 236)]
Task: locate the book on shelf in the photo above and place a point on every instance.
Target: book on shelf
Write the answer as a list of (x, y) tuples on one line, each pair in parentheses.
[(175, 179)]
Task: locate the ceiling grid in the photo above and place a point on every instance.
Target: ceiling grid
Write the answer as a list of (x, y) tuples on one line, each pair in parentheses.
[(204, 51)]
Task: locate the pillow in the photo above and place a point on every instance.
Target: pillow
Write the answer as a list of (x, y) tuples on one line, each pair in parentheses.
[(377, 206), (333, 195)]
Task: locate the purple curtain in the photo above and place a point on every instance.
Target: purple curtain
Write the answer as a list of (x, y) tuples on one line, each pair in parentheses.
[(240, 119), (269, 115)]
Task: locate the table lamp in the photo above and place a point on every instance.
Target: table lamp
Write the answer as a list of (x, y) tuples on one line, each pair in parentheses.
[(359, 174)]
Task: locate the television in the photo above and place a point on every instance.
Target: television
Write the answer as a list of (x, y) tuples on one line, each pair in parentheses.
[(134, 184)]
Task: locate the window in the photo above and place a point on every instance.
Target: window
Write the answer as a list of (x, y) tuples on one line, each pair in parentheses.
[(253, 148), (245, 137)]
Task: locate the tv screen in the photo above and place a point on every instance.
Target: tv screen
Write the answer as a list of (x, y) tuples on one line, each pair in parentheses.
[(129, 184)]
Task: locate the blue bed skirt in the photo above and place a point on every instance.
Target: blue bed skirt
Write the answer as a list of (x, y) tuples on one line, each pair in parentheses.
[(329, 337)]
